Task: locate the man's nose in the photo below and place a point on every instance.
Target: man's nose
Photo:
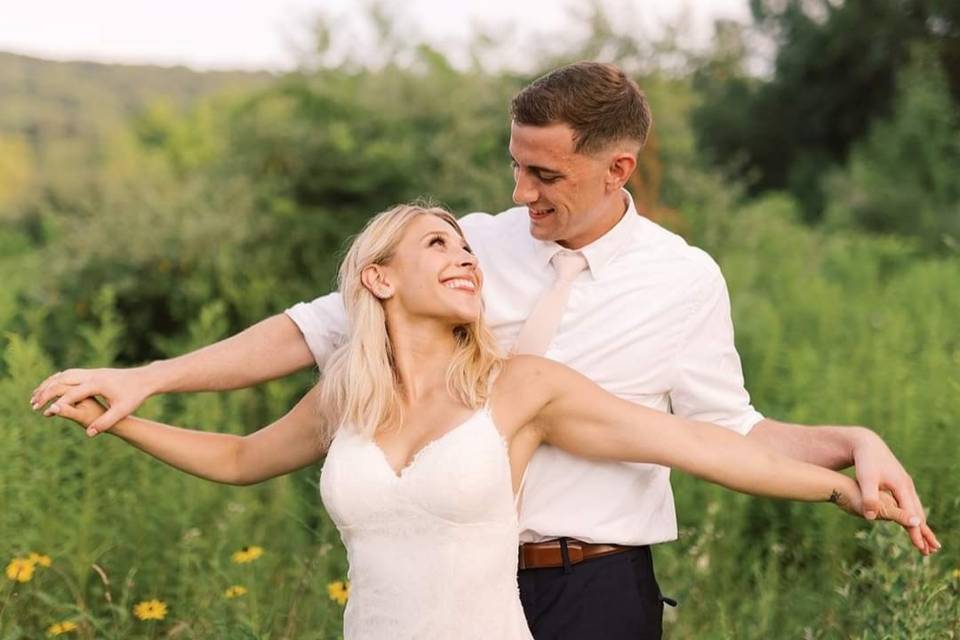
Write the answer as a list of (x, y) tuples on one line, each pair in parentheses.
[(524, 191)]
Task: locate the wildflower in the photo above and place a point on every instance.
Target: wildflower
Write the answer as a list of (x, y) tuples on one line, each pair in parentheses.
[(61, 628), (956, 574), (20, 570), (150, 610), (235, 591), (339, 591), (40, 559), (247, 554)]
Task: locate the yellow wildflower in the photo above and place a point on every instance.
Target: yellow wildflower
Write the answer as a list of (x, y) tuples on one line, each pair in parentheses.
[(956, 574), (150, 610), (40, 559), (61, 627), (247, 554), (20, 570), (235, 591), (339, 591)]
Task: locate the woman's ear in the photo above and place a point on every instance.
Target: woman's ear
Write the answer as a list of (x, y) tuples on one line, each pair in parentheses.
[(374, 279)]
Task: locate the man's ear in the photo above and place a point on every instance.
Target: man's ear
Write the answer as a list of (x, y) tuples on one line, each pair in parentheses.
[(620, 168), (375, 280)]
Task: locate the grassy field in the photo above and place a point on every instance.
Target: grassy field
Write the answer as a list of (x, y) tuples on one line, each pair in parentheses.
[(832, 329)]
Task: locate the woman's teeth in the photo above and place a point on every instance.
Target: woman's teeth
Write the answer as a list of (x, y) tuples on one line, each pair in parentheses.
[(458, 283)]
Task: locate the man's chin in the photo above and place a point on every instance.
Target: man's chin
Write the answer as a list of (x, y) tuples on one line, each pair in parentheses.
[(542, 232)]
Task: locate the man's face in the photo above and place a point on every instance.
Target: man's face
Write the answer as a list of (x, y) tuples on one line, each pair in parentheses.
[(563, 190)]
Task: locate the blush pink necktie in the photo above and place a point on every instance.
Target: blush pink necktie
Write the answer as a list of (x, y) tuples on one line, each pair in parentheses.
[(541, 326)]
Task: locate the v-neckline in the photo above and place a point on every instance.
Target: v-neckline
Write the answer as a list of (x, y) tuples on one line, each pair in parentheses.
[(399, 475)]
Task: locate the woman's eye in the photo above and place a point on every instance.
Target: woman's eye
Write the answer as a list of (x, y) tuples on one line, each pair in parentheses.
[(437, 240)]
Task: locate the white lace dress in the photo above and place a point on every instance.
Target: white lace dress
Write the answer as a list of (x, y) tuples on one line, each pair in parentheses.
[(433, 551)]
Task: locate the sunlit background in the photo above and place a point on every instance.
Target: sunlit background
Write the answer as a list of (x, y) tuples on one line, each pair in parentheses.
[(171, 173)]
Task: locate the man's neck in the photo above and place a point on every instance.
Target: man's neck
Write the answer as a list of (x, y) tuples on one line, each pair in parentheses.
[(613, 212)]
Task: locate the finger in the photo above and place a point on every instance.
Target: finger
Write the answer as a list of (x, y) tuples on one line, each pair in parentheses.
[(38, 392), (70, 396), (908, 499), (41, 394), (890, 511), (930, 537), (916, 537), (69, 412), (51, 391), (55, 391), (113, 415), (870, 494)]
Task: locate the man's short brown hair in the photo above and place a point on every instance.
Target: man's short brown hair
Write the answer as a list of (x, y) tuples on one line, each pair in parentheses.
[(598, 101)]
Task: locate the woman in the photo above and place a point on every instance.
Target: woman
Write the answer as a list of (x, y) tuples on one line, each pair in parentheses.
[(427, 431)]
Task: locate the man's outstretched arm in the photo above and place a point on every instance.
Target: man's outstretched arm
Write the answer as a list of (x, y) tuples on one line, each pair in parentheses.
[(709, 386), (270, 349), (876, 466)]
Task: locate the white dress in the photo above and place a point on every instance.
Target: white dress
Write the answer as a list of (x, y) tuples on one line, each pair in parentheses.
[(433, 551)]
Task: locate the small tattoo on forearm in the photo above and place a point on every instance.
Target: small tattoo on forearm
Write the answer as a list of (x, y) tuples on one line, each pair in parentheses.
[(835, 497)]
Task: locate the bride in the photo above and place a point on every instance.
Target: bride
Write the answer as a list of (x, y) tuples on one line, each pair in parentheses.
[(427, 430)]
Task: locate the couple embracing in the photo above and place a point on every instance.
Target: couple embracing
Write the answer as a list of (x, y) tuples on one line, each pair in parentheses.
[(501, 397)]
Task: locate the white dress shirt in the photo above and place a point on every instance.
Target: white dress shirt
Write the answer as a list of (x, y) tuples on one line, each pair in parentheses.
[(649, 321)]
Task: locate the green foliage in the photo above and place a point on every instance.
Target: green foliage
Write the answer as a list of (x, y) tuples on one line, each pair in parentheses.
[(895, 596), (902, 178), (832, 329), (198, 216), (833, 76)]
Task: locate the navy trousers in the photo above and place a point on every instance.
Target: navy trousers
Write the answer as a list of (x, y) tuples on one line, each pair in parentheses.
[(610, 598)]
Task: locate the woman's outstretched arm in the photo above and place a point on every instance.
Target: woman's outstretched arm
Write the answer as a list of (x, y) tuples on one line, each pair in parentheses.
[(579, 416), (286, 445)]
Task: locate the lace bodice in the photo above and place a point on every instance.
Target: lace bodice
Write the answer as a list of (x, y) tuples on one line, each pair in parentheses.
[(433, 550)]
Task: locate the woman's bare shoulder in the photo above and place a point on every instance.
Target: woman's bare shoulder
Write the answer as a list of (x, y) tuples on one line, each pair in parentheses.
[(528, 365), (528, 379)]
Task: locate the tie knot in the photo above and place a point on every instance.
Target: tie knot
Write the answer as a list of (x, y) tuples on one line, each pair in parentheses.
[(568, 264)]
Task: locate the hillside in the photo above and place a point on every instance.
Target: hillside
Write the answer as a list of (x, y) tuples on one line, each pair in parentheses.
[(45, 101)]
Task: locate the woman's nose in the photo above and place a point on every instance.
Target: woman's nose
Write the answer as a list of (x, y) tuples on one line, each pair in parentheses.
[(467, 259)]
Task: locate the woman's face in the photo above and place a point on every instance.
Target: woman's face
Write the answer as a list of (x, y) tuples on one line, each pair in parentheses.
[(433, 274)]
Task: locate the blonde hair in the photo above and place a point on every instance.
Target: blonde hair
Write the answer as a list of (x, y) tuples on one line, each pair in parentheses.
[(360, 386)]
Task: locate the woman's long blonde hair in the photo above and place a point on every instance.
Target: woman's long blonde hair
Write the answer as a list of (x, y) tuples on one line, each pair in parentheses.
[(360, 386)]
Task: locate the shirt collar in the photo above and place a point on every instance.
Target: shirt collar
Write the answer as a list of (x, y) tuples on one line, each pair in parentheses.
[(604, 249)]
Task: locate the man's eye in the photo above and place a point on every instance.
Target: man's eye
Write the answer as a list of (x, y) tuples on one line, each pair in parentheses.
[(549, 179)]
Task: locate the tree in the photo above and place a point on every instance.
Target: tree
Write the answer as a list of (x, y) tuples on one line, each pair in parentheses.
[(903, 177), (834, 74)]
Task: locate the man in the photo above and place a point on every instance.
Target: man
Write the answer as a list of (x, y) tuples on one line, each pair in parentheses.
[(640, 312)]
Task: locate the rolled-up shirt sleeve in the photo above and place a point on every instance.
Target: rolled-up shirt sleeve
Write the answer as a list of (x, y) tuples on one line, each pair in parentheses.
[(323, 323), (708, 379)]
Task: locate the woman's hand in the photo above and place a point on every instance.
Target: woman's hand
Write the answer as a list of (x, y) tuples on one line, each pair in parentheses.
[(889, 510), (124, 390), (84, 413)]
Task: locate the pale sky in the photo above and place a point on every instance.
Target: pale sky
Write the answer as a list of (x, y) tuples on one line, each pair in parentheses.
[(266, 34)]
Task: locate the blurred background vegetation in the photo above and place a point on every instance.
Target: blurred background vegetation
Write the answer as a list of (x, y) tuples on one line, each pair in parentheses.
[(146, 211)]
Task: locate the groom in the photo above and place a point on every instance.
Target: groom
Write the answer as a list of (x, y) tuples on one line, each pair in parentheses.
[(642, 313)]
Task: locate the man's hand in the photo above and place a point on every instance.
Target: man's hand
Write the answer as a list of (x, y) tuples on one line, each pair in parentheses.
[(124, 390), (879, 470)]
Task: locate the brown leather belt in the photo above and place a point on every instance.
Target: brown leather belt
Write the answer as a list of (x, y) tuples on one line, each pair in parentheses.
[(542, 555)]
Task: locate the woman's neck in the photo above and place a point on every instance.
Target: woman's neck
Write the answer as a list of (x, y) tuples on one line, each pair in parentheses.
[(422, 353)]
